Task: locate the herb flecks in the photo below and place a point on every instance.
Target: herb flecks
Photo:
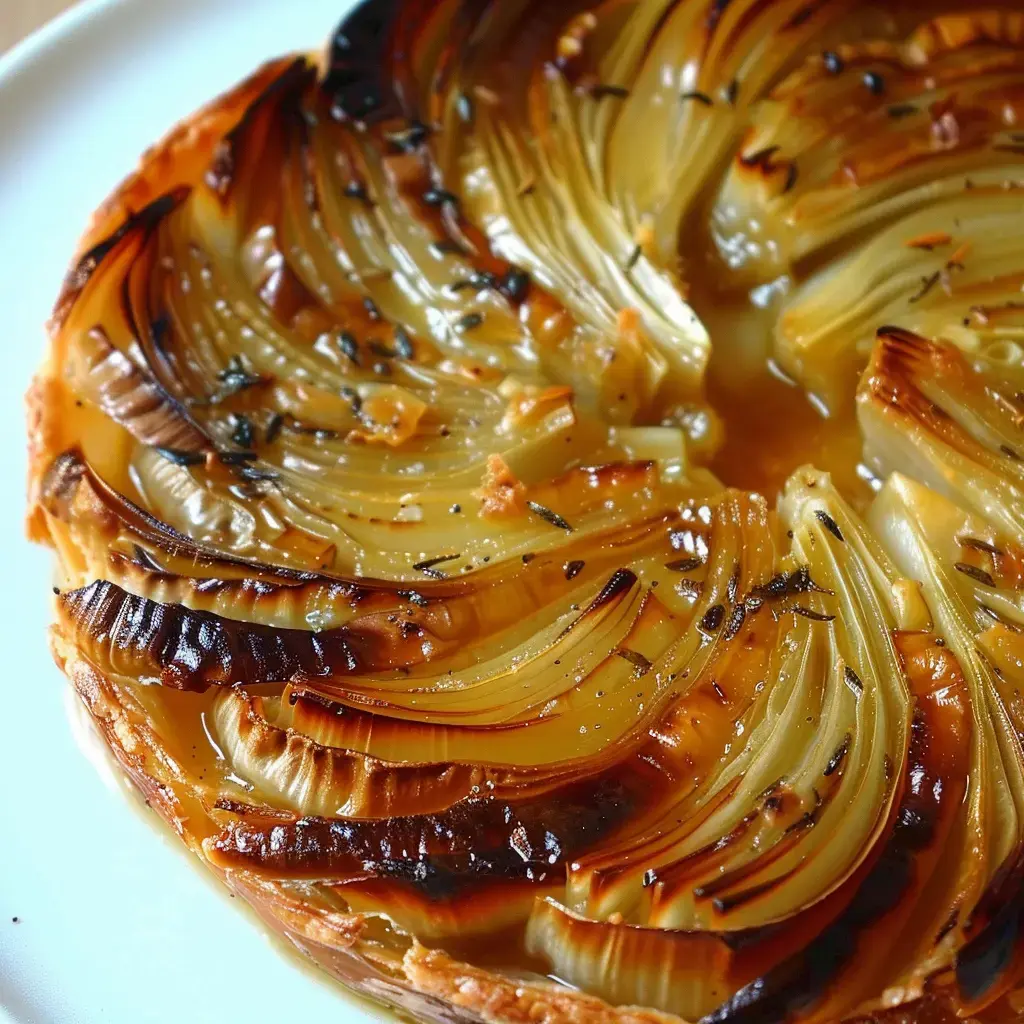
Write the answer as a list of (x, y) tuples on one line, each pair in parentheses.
[(378, 348), (427, 566), (353, 398), (810, 613), (874, 82), (357, 190), (975, 573), (243, 433), (256, 475), (403, 344), (852, 680), (552, 518), (711, 621), (440, 197), (830, 524), (787, 584), (235, 377), (834, 64), (979, 545), (274, 427), (616, 91), (684, 564), (349, 347), (409, 139), (180, 457), (446, 247), (515, 285), (836, 760), (732, 588), (641, 665), (237, 457), (735, 621), (928, 282), (469, 322)]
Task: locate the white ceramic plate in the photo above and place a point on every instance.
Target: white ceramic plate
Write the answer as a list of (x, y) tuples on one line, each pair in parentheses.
[(114, 923)]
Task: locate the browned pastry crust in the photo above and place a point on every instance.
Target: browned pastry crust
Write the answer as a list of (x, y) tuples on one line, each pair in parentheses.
[(426, 983), (381, 450)]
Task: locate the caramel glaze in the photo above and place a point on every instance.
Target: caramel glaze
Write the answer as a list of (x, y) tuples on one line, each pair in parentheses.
[(770, 425), (770, 428), (462, 863)]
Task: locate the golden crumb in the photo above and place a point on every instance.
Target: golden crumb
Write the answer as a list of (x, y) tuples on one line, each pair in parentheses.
[(502, 493)]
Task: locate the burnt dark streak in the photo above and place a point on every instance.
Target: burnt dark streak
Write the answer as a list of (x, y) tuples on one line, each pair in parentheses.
[(191, 650), (276, 101), (803, 978), (144, 222), (475, 839), (357, 79), (983, 960)]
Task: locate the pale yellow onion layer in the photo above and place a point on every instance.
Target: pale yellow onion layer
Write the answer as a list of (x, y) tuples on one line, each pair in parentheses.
[(386, 440)]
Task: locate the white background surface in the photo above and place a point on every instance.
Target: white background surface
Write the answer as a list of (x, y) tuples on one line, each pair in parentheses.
[(115, 924)]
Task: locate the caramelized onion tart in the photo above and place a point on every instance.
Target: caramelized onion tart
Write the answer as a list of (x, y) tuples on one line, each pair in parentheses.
[(538, 497)]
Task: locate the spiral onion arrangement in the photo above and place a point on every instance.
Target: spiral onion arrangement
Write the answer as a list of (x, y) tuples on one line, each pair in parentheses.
[(388, 440)]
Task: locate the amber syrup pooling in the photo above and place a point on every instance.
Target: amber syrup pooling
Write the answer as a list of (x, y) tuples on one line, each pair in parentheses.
[(537, 496)]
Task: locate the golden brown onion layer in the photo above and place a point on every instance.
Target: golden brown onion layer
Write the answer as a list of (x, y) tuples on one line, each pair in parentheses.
[(393, 441)]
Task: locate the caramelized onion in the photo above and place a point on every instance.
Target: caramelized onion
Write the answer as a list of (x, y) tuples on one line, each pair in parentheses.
[(375, 443)]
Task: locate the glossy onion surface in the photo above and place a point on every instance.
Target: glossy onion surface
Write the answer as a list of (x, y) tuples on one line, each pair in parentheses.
[(538, 495)]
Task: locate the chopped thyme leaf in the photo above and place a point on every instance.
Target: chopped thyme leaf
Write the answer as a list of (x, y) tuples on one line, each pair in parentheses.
[(274, 426), (243, 434), (180, 457), (810, 613), (712, 619), (601, 91), (469, 322), (256, 475), (830, 524), (235, 377), (853, 680), (927, 284), (684, 564), (979, 575), (427, 566), (574, 568), (548, 516), (641, 665)]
